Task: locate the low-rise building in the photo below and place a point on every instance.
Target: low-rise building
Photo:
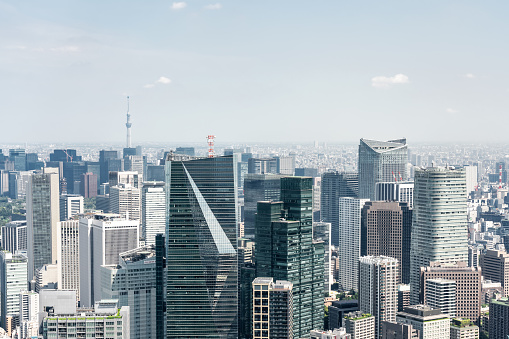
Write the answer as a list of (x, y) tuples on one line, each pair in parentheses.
[(360, 325), (430, 322), (464, 329)]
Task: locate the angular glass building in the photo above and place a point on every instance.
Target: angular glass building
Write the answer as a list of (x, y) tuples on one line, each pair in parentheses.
[(202, 268), (380, 161)]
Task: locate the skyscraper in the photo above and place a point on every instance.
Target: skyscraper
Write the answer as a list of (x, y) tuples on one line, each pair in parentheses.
[(153, 211), (13, 281), (88, 185), (14, 236), (285, 250), (396, 191), (43, 214), (378, 289), (439, 221), (70, 205), (125, 200), (380, 161), (495, 267), (336, 185), (68, 256), (202, 274), (350, 241)]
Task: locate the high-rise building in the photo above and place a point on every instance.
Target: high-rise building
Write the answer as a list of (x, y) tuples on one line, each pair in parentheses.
[(43, 214), (380, 161), (262, 166), (14, 236), (441, 293), (104, 321), (403, 296), (360, 325), (125, 200), (68, 256), (18, 158), (378, 289), (285, 165), (468, 286), (285, 250), (133, 283), (396, 191), (335, 185), (135, 163), (88, 185), (350, 241), (71, 205), (104, 162), (473, 256), (499, 319), (185, 150), (258, 187), (201, 256), (430, 322), (153, 211), (28, 314), (272, 309), (439, 221), (321, 232), (13, 281), (495, 267), (386, 230), (102, 237), (125, 177)]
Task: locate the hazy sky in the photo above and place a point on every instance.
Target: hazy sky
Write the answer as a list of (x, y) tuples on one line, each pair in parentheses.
[(248, 70)]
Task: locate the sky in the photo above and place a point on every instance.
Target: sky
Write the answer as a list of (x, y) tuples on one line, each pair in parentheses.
[(254, 71)]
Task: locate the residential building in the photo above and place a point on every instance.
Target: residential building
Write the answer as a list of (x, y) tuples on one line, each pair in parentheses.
[(201, 256), (350, 240), (360, 325), (14, 236), (439, 221), (386, 231), (430, 322), (272, 309), (153, 211), (401, 191), (378, 289), (13, 281), (380, 161)]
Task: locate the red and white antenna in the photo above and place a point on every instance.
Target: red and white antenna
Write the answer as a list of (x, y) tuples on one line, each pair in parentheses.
[(394, 177), (500, 178), (210, 141), (400, 177)]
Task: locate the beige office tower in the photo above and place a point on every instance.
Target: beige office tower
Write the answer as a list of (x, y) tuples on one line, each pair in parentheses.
[(134, 163), (125, 200), (68, 256), (441, 293), (378, 288), (495, 267), (43, 214), (124, 177), (468, 286), (153, 207)]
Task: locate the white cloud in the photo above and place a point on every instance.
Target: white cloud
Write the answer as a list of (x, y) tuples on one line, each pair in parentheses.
[(386, 82), (66, 49), (148, 86), (469, 76), (178, 5), (163, 80), (451, 110), (213, 6)]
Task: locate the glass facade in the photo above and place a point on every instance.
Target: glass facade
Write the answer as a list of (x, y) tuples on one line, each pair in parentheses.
[(202, 267)]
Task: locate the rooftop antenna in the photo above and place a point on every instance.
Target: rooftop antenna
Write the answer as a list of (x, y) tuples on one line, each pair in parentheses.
[(128, 125), (210, 141)]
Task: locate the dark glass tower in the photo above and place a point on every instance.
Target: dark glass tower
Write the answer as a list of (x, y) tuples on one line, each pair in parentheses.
[(202, 274), (285, 251)]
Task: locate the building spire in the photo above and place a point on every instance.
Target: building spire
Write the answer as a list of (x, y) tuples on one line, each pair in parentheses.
[(128, 125)]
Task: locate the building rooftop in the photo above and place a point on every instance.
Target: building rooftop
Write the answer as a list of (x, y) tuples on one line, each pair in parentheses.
[(462, 323), (138, 254), (357, 315)]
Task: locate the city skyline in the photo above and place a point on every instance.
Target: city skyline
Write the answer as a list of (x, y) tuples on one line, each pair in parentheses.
[(220, 62)]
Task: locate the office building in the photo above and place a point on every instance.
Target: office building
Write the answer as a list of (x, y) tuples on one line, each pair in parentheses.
[(154, 173), (272, 309), (133, 283), (46, 277), (43, 213), (262, 166), (285, 250), (13, 281), (473, 256), (285, 165), (499, 319), (72, 172), (350, 240), (125, 200), (378, 289), (258, 187), (71, 205), (18, 158), (380, 161), (153, 210), (495, 267), (88, 185), (185, 150), (124, 177), (68, 256), (386, 230), (321, 232), (104, 162), (202, 268), (439, 221), (401, 191), (339, 333), (135, 163), (360, 325), (430, 322), (391, 330), (105, 320), (337, 311), (28, 315), (102, 237), (441, 293), (306, 172), (468, 286), (403, 296), (464, 329), (14, 236), (58, 301), (335, 185)]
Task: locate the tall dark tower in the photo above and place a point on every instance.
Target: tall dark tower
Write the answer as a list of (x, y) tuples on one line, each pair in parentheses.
[(128, 124)]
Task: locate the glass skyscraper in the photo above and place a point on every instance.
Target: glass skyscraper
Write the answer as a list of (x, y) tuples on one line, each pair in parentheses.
[(381, 161), (202, 291)]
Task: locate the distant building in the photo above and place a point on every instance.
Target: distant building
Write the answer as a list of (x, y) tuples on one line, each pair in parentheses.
[(153, 211), (262, 166), (71, 205), (68, 256), (125, 200), (125, 177), (401, 191), (272, 309), (321, 232), (360, 325), (430, 322), (306, 172), (185, 150), (14, 236), (88, 185), (285, 165), (495, 267), (135, 163)]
